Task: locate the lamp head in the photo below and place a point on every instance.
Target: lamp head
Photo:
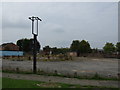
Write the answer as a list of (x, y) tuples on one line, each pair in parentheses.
[(29, 17)]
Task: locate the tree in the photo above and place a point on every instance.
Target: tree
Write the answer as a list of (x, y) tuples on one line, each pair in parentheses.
[(55, 50), (26, 45), (64, 50), (118, 47), (109, 48), (47, 49), (32, 44), (84, 47), (80, 47), (20, 44), (75, 47)]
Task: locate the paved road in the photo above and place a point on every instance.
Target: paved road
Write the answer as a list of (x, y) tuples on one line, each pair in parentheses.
[(83, 66), (113, 84)]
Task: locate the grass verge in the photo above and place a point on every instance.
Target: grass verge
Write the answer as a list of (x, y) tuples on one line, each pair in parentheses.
[(94, 77), (18, 83), (0, 82)]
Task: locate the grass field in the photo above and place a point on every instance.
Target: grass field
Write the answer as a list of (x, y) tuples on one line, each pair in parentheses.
[(17, 83), (0, 83)]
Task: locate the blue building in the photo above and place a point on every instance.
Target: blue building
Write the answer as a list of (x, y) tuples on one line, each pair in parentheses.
[(11, 53)]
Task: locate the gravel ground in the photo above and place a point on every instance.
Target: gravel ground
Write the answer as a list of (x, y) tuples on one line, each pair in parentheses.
[(83, 66), (113, 84)]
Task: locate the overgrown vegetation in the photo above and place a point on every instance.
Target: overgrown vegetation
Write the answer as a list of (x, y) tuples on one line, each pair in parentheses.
[(96, 76)]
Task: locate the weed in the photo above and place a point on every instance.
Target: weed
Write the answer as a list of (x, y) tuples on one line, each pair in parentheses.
[(41, 72)]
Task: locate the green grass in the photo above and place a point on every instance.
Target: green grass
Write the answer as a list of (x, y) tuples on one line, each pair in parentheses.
[(94, 77), (18, 83), (14, 83), (0, 83)]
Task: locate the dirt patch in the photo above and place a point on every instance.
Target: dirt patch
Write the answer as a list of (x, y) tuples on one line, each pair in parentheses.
[(51, 85)]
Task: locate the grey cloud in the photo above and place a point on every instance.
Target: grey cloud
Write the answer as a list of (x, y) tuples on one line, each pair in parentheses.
[(63, 22), (12, 23), (59, 30)]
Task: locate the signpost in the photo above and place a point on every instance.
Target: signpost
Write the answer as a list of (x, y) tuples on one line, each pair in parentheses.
[(35, 34)]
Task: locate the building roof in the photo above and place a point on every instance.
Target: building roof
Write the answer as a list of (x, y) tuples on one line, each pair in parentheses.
[(11, 46)]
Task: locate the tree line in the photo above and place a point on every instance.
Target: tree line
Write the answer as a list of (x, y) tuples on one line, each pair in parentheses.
[(80, 47), (26, 45), (84, 47)]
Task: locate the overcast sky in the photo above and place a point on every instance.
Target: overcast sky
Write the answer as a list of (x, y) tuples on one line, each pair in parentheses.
[(62, 22)]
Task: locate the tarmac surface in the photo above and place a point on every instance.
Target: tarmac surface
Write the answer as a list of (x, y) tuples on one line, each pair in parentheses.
[(82, 66)]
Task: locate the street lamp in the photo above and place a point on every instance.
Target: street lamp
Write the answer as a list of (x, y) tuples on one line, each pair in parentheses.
[(35, 40)]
